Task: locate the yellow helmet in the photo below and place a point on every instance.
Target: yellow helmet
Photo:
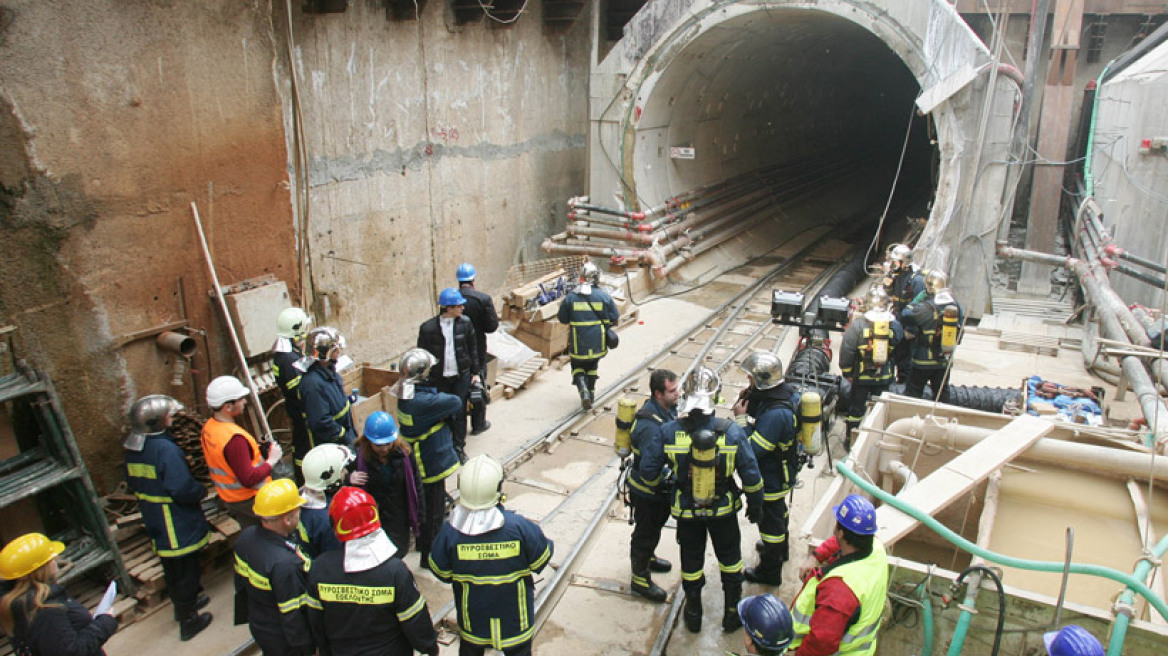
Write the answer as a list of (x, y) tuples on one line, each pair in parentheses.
[(277, 497), (26, 554)]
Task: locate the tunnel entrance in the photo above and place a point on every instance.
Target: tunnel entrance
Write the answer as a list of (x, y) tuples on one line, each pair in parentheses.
[(784, 89)]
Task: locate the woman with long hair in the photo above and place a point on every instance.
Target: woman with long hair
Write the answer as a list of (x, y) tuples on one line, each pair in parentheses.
[(384, 470), (37, 614)]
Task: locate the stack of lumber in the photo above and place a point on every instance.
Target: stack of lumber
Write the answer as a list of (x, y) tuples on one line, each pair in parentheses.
[(536, 325)]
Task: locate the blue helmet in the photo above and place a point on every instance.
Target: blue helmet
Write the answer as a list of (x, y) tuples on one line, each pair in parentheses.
[(451, 296), (1072, 640), (857, 515), (767, 621), (466, 272), (380, 428)]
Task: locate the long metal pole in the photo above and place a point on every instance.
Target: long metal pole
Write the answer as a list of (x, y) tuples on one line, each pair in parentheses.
[(255, 393)]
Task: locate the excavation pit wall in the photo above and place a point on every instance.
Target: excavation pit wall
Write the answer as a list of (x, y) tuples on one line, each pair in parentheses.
[(1026, 517)]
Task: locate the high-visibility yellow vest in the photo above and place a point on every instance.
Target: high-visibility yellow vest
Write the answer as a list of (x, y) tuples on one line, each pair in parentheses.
[(868, 580), (216, 435)]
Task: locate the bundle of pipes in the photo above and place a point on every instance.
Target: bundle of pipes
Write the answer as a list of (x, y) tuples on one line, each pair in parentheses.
[(1116, 321), (684, 226)]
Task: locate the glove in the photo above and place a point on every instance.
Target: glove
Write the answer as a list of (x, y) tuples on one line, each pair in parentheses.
[(753, 513)]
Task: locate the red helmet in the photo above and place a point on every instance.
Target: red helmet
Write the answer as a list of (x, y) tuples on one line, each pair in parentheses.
[(354, 514)]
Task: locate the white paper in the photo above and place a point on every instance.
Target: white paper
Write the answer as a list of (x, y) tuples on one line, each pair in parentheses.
[(107, 600), (344, 362)]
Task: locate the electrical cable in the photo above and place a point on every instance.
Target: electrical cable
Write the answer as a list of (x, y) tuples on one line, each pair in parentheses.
[(895, 179), (1001, 599), (300, 173), (487, 11)]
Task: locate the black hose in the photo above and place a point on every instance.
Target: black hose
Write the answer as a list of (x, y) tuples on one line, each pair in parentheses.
[(1001, 600), (986, 399)]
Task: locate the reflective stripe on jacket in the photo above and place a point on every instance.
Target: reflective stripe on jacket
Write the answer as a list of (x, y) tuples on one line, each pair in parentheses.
[(855, 355), (588, 316), (327, 410), (168, 496), (216, 435), (422, 422), (646, 435), (773, 439), (492, 578), (270, 590), (868, 580)]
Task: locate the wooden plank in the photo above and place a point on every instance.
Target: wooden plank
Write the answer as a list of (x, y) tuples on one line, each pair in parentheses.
[(607, 585), (957, 477)]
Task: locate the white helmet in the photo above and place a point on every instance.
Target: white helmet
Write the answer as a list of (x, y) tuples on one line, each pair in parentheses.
[(590, 273), (148, 417), (225, 389), (292, 323), (700, 391), (324, 466), (765, 368), (480, 483)]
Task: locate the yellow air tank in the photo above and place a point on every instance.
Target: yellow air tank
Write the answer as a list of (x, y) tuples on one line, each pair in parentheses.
[(810, 416), (626, 411)]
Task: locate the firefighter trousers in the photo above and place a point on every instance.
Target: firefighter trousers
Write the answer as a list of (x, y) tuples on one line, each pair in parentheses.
[(467, 649), (433, 514), (182, 574), (649, 516), (772, 529), (935, 378), (691, 539), (858, 403)]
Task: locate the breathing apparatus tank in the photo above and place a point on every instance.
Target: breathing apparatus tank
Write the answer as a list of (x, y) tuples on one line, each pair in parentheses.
[(881, 333), (703, 467), (949, 326), (810, 416), (626, 411)]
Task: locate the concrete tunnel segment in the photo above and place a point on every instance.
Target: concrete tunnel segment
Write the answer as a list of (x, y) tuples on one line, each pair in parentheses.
[(749, 85)]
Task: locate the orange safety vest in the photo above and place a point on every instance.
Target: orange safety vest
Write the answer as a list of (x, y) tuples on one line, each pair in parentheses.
[(216, 435)]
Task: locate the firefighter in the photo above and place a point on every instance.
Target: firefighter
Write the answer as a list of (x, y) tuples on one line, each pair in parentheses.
[(423, 416), (767, 625), (904, 284), (1072, 640), (451, 338), (37, 615), (649, 499), (704, 452), (768, 409), (170, 500), (841, 605), (271, 573), (291, 327), (865, 356), (235, 462), (325, 468), (364, 599), (492, 555), (480, 309), (936, 323), (328, 411), (589, 311)]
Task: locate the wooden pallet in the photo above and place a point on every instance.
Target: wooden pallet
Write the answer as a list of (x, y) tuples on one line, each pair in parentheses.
[(516, 379), (1027, 343)]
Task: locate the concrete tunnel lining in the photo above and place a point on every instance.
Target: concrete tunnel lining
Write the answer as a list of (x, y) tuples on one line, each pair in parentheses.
[(776, 87)]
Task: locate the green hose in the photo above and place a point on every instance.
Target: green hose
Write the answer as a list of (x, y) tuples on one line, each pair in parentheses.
[(1131, 581), (927, 614), (963, 622), (1119, 627), (1089, 156)]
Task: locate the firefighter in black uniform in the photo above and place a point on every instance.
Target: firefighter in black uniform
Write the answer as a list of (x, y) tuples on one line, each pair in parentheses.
[(936, 323), (480, 309), (650, 499), (364, 599), (704, 451), (904, 283), (865, 356), (170, 500), (271, 573), (589, 311), (327, 409), (771, 405), (450, 338), (491, 555), (291, 327)]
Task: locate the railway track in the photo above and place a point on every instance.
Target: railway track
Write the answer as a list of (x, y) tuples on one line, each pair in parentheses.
[(565, 478)]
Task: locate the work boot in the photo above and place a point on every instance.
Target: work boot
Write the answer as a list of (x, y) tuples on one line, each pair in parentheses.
[(202, 601), (730, 620), (644, 586), (585, 393), (424, 561), (659, 564), (481, 429), (190, 626), (759, 575), (692, 613)]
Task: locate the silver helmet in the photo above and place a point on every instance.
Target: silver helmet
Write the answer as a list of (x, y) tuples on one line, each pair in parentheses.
[(876, 300), (765, 368), (700, 391), (149, 416), (321, 341), (900, 254), (415, 365), (590, 273), (935, 281)]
